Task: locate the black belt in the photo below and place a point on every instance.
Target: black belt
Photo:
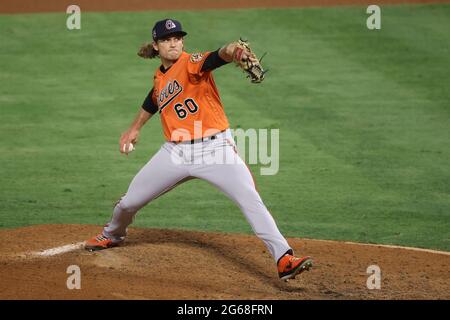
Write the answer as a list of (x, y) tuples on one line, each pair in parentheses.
[(202, 139)]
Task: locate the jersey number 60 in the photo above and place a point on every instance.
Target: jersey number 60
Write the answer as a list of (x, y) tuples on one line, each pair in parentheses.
[(189, 104)]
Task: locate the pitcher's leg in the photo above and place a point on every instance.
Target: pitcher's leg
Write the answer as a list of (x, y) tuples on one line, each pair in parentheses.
[(236, 181), (157, 177)]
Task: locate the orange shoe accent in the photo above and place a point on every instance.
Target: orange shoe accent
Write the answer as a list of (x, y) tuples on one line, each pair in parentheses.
[(99, 242), (290, 266)]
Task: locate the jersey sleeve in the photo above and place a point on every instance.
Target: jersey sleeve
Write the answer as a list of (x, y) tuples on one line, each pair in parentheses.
[(213, 61), (150, 104), (195, 64)]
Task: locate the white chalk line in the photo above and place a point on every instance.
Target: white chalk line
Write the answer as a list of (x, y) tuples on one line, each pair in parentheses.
[(58, 250), (386, 246)]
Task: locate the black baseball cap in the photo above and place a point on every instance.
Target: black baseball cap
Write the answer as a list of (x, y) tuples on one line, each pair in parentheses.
[(166, 27)]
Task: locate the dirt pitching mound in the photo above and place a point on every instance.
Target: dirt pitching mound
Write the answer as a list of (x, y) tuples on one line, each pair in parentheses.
[(178, 264)]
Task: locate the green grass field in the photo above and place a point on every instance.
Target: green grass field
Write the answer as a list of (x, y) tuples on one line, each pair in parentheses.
[(363, 118)]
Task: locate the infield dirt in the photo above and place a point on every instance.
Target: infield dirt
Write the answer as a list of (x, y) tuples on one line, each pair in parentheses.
[(179, 264)]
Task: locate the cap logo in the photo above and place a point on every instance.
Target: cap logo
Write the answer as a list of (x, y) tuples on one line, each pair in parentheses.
[(170, 25), (154, 34)]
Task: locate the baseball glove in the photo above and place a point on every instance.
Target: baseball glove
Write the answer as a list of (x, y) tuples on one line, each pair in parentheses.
[(244, 58)]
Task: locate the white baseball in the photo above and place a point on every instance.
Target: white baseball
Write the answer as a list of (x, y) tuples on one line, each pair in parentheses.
[(130, 148)]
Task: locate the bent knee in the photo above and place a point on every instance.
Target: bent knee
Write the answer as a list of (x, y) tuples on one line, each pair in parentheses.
[(129, 205)]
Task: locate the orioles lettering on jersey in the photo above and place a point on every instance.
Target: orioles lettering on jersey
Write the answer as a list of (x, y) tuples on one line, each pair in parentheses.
[(169, 93)]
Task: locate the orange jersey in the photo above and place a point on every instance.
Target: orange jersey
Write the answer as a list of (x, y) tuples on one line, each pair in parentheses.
[(188, 100)]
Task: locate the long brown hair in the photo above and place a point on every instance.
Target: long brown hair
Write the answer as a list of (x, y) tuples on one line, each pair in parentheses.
[(147, 51)]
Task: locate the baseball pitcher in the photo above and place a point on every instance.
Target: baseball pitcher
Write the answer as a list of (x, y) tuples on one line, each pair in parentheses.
[(198, 144)]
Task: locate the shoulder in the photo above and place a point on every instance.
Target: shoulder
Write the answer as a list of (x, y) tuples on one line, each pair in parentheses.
[(196, 57)]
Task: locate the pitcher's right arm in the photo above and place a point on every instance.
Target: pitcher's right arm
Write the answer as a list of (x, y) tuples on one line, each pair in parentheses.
[(148, 109)]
